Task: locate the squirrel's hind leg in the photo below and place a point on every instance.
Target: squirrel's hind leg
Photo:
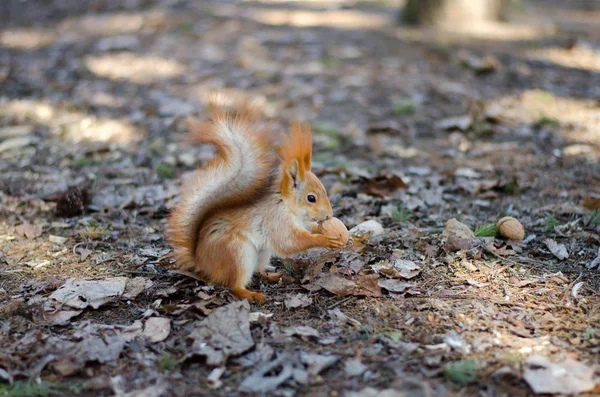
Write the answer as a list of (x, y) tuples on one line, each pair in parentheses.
[(264, 258), (249, 260), (228, 259)]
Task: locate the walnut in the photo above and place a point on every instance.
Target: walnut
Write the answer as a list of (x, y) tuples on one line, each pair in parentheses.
[(511, 228), (334, 228)]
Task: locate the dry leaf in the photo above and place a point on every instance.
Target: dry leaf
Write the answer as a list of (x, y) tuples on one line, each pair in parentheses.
[(394, 285), (354, 367), (301, 330), (29, 230), (136, 286), (83, 293), (367, 286), (591, 203), (559, 250), (157, 329), (397, 268), (382, 185), (224, 333), (372, 227), (260, 383), (567, 377), (297, 300)]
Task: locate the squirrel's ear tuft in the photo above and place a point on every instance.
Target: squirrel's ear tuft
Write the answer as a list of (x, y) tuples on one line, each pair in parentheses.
[(298, 147), (292, 172)]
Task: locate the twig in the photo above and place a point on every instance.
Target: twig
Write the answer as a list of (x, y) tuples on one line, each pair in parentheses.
[(342, 302)]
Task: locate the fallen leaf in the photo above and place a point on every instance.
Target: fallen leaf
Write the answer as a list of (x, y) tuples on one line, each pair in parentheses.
[(57, 239), (213, 380), (367, 286), (351, 260), (576, 288), (132, 331), (338, 317), (316, 363), (339, 285), (559, 250), (461, 123), (29, 230), (224, 333), (382, 185), (301, 330), (591, 203), (255, 357), (84, 252), (372, 227), (459, 237), (479, 64), (260, 383), (458, 229), (397, 268), (595, 262), (394, 285), (80, 294), (501, 247), (372, 392), (136, 286), (60, 317), (567, 377), (154, 252), (157, 329), (354, 367), (5, 376), (297, 300)]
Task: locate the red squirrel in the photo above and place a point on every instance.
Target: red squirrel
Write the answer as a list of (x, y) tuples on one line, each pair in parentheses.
[(251, 200)]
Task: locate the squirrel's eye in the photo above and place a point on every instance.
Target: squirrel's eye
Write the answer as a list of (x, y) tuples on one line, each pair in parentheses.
[(311, 198)]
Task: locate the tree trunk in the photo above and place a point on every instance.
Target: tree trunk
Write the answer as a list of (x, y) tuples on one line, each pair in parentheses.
[(451, 12)]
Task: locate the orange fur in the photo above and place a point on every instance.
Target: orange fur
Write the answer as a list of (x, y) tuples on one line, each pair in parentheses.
[(245, 204), (182, 233)]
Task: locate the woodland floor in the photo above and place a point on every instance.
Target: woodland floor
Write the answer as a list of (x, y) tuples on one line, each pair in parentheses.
[(498, 120)]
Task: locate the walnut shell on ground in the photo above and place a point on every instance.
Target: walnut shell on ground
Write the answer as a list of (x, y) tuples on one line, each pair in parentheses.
[(334, 228), (511, 228)]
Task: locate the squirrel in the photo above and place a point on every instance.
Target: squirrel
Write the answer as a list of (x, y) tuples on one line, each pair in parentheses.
[(253, 199)]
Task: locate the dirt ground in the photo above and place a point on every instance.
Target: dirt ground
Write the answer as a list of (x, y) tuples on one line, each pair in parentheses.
[(412, 129)]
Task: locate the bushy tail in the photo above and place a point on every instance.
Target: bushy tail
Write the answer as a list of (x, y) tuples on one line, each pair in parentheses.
[(242, 168)]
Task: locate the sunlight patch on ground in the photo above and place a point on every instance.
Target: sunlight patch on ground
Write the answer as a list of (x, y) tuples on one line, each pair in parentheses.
[(71, 125), (340, 19), (475, 31), (579, 57), (111, 24), (26, 39), (577, 119), (138, 69)]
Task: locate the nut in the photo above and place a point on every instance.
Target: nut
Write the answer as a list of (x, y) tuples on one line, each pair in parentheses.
[(511, 228), (334, 228)]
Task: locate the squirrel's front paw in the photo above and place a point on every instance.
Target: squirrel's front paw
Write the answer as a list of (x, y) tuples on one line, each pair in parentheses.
[(331, 242)]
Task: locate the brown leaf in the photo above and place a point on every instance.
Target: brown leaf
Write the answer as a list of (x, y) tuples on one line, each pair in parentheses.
[(591, 203), (394, 285), (224, 333), (382, 185), (29, 231), (352, 261), (336, 284), (359, 286), (455, 243), (367, 286), (157, 329)]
